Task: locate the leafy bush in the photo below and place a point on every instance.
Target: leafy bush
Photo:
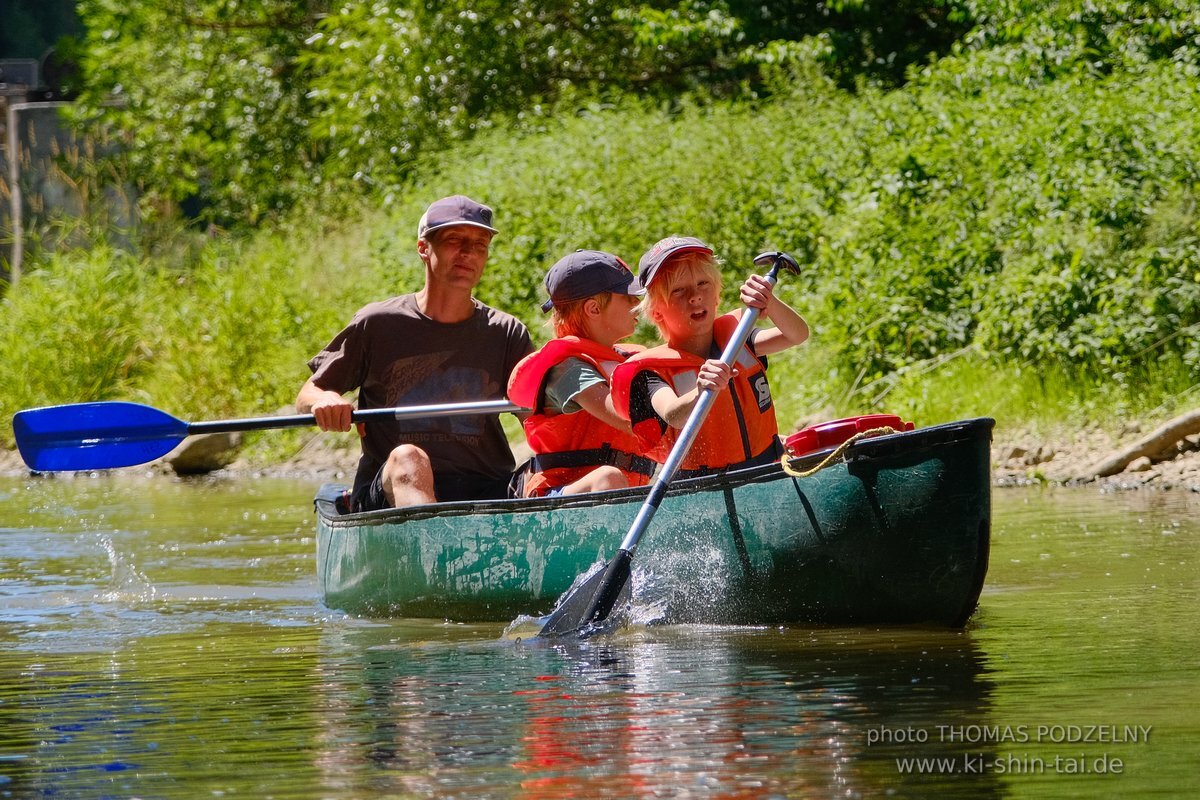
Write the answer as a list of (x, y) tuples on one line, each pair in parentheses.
[(209, 99)]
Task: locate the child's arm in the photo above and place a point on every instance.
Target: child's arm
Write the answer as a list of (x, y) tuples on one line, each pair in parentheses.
[(597, 401), (790, 328), (675, 409)]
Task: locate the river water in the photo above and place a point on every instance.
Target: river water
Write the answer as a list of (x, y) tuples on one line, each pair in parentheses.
[(165, 638)]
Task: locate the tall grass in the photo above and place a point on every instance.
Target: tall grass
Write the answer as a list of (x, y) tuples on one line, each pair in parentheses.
[(78, 329), (1037, 399)]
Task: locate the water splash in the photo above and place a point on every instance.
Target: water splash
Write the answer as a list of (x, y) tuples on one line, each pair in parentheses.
[(643, 607), (126, 581), (682, 583)]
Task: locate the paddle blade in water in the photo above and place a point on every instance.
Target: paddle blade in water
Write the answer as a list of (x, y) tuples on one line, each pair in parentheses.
[(95, 435), (593, 600)]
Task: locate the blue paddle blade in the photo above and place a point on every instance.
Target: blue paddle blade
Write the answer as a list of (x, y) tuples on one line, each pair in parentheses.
[(95, 435)]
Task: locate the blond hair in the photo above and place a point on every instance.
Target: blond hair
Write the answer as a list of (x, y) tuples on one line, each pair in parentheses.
[(671, 274), (569, 318)]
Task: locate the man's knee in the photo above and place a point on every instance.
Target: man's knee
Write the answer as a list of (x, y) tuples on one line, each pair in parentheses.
[(408, 462), (408, 477)]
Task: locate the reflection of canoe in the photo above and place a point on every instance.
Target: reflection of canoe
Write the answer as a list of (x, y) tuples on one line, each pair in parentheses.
[(897, 534)]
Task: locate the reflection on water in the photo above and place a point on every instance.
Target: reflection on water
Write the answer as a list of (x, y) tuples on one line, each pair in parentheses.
[(669, 711), (163, 639)]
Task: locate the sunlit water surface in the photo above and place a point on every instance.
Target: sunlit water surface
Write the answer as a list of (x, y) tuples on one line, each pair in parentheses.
[(165, 639)]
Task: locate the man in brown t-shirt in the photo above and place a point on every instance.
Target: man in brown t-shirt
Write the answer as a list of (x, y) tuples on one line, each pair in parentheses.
[(439, 345)]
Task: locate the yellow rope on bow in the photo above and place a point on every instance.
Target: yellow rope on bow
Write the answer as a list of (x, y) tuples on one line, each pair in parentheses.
[(836, 455)]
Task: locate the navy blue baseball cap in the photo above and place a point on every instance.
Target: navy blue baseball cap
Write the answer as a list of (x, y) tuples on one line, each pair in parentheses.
[(454, 210), (585, 273), (663, 249)]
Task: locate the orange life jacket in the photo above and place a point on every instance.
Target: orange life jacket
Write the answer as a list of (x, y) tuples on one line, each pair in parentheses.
[(740, 429), (568, 446)]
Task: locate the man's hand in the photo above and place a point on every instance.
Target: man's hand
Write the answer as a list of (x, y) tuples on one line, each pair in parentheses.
[(332, 412)]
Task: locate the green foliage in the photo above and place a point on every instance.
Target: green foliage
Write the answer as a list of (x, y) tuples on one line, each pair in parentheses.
[(224, 335), (1016, 224), (239, 108), (230, 325), (1038, 397), (1054, 37), (207, 94), (1035, 222)]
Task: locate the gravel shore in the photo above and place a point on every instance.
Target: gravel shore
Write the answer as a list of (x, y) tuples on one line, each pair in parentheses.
[(1022, 458)]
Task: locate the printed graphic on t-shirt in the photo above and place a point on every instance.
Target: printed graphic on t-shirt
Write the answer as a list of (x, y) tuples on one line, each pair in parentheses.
[(407, 372), (425, 380)]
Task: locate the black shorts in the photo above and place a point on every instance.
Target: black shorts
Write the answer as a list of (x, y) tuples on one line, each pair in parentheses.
[(447, 488)]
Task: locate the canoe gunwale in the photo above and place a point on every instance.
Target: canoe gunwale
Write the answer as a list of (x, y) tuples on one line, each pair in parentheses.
[(865, 450)]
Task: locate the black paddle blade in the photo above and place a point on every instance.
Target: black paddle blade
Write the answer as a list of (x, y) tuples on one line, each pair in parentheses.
[(592, 601)]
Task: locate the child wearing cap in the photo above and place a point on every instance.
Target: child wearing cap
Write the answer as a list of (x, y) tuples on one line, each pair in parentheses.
[(658, 388), (580, 444)]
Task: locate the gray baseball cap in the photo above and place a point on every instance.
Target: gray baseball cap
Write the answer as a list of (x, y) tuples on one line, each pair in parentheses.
[(585, 273), (663, 249), (454, 210)]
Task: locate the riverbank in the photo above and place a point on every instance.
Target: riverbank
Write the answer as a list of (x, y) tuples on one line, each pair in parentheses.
[(1025, 457), (1019, 458)]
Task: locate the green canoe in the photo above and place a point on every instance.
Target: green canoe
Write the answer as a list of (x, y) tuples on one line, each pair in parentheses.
[(898, 533)]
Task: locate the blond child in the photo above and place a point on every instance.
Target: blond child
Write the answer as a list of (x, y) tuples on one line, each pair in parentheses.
[(658, 388)]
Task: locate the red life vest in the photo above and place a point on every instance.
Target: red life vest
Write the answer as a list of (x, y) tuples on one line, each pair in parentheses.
[(568, 446), (740, 429)]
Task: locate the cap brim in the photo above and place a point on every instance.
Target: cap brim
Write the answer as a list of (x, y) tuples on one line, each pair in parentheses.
[(433, 228), (632, 288), (686, 248), (626, 290)]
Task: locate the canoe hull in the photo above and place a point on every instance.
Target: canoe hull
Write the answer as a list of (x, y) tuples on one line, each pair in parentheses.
[(897, 534)]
